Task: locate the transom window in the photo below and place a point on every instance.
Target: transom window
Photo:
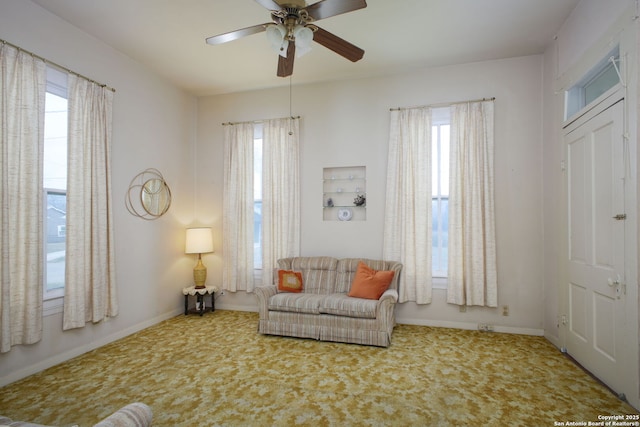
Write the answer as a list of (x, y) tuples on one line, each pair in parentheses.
[(598, 81)]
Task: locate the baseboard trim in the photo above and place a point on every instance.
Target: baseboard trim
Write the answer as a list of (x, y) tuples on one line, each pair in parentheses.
[(421, 322), (232, 307), (469, 326), (63, 357), (554, 340), (412, 321)]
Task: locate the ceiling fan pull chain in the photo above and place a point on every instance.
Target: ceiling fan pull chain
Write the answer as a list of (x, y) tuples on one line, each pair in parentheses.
[(290, 107)]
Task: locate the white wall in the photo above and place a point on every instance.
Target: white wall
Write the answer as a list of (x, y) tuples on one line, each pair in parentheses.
[(346, 123), (585, 26), (153, 126)]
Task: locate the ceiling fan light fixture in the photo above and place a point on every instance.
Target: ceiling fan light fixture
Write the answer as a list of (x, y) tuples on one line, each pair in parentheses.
[(292, 29), (276, 35), (303, 38)]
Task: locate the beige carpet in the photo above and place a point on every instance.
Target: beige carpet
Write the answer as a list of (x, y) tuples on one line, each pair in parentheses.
[(216, 370)]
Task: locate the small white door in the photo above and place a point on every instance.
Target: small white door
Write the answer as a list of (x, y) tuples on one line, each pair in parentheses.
[(597, 335)]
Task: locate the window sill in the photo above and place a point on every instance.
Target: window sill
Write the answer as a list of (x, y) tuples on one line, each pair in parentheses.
[(52, 306), (439, 283)]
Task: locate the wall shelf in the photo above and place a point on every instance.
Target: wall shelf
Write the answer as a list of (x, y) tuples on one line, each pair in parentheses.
[(340, 187)]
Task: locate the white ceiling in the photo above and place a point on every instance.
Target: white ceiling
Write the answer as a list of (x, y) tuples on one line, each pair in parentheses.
[(168, 36)]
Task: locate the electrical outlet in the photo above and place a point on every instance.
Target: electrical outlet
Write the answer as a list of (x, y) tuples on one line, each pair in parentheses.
[(505, 310), (484, 327)]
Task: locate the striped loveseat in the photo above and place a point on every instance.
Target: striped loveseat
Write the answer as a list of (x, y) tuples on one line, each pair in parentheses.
[(323, 310)]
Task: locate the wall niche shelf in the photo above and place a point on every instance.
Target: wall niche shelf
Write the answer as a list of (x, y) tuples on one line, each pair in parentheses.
[(344, 193)]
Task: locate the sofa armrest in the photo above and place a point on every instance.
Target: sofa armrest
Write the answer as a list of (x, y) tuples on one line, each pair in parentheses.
[(133, 415), (389, 294), (386, 305), (263, 293)]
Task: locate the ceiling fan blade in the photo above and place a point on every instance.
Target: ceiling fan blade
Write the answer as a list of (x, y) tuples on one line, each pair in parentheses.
[(326, 8), (269, 4), (285, 65), (338, 45), (234, 35)]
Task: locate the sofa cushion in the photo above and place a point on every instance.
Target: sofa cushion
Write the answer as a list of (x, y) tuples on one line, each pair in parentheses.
[(289, 281), (344, 305), (296, 302), (369, 283)]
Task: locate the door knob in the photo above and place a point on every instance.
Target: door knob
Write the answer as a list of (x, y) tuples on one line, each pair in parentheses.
[(616, 283)]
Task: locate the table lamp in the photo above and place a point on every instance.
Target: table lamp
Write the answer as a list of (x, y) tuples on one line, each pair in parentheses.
[(199, 241)]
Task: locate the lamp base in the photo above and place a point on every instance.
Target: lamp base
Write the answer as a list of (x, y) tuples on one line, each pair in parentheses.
[(199, 274)]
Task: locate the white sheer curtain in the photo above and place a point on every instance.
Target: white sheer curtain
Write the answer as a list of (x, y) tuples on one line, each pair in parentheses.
[(22, 97), (280, 194), (472, 247), (407, 222), (90, 288), (237, 218)]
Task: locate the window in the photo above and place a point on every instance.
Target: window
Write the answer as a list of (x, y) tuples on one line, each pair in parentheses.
[(55, 183), (257, 196), (598, 81), (440, 191), (262, 226)]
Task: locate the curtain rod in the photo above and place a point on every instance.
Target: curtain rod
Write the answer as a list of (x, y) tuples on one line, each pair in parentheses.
[(46, 61), (443, 104), (256, 121)]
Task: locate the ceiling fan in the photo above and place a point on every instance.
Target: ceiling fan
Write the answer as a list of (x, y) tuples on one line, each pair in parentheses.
[(292, 28)]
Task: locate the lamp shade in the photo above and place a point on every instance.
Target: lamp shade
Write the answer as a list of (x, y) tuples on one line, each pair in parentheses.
[(199, 240)]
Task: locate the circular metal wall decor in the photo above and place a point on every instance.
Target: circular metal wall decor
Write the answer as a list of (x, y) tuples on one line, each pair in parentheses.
[(149, 196)]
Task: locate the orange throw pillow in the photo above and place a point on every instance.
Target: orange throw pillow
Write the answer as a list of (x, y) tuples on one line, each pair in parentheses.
[(289, 281), (369, 283)]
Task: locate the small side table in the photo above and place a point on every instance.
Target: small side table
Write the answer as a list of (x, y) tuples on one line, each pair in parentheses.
[(200, 294)]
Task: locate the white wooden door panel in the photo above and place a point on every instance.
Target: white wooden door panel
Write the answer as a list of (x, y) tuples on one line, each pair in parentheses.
[(578, 312), (596, 335), (578, 218), (604, 315)]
